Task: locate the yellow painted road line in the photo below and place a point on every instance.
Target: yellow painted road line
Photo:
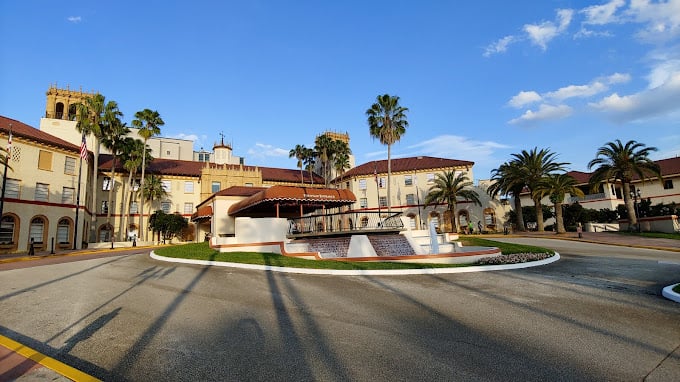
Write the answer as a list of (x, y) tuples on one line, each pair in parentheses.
[(50, 363)]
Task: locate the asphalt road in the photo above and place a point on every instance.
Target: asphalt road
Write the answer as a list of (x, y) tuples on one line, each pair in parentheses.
[(597, 314)]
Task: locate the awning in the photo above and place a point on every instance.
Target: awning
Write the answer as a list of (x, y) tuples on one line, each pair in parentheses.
[(291, 201), (203, 213)]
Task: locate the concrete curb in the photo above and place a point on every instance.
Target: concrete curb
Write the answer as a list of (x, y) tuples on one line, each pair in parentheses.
[(669, 294), (359, 272)]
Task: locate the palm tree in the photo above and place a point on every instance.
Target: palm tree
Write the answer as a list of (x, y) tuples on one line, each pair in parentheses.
[(298, 153), (89, 116), (323, 145), (341, 163), (447, 188), (557, 186), (153, 190), (509, 180), (309, 159), (132, 156), (148, 122), (340, 152), (387, 122), (534, 165), (621, 162), (113, 137)]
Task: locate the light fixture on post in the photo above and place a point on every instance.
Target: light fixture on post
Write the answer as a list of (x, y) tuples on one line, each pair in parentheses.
[(636, 195)]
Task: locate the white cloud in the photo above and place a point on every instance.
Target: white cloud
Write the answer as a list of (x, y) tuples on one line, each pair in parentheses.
[(262, 150), (524, 98), (661, 19), (602, 14), (663, 70), (577, 91), (459, 147), (545, 112), (618, 78), (74, 19), (659, 101), (541, 34), (499, 46)]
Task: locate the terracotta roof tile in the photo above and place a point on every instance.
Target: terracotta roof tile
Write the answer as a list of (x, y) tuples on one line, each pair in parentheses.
[(406, 164), (22, 130)]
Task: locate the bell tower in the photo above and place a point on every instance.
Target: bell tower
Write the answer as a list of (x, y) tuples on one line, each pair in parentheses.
[(63, 103)]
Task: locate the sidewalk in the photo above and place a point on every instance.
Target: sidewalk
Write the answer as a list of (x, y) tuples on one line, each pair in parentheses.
[(610, 238)]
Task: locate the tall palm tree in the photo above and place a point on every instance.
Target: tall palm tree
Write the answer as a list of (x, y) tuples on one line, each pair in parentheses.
[(447, 188), (153, 190), (387, 122), (89, 116), (298, 153), (616, 161), (341, 163), (309, 159), (557, 186), (536, 164), (323, 145), (132, 156), (340, 151), (148, 122), (509, 180), (113, 138)]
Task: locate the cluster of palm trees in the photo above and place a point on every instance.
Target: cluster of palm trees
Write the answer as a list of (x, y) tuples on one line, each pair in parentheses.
[(540, 174), (331, 153), (101, 119)]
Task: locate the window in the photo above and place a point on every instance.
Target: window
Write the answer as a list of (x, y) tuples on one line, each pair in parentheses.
[(67, 195), (42, 192), (12, 188), (188, 187), (430, 178), (188, 208), (668, 184), (363, 202), (63, 228), (362, 184), (134, 207), (248, 184), (166, 206), (412, 221), (364, 221), (7, 230), (383, 201), (105, 207), (166, 185), (410, 199), (408, 180), (36, 230), (106, 183), (382, 182), (167, 152), (70, 165), (45, 160), (216, 186), (136, 183)]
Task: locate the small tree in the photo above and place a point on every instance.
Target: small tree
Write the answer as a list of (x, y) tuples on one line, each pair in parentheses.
[(167, 225)]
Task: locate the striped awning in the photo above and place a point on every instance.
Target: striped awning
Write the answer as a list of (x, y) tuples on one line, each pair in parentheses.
[(203, 213), (291, 201)]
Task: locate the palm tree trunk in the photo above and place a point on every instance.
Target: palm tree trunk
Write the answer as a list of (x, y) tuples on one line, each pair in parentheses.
[(389, 180), (518, 214), (559, 218), (539, 215), (452, 216), (112, 185), (630, 205), (95, 171), (142, 231), (126, 205)]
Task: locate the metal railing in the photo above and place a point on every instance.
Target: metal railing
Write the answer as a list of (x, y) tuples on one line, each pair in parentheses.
[(344, 222)]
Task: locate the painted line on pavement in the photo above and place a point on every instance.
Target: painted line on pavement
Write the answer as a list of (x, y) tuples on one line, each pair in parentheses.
[(50, 363)]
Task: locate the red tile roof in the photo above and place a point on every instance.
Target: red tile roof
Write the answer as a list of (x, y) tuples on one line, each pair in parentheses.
[(406, 164), (669, 167), (24, 131), (289, 199)]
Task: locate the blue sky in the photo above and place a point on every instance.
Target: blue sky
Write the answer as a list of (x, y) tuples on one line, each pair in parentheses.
[(482, 79)]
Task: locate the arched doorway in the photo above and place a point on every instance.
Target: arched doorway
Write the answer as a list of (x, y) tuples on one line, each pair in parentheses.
[(105, 233), (9, 232), (64, 232), (37, 233)]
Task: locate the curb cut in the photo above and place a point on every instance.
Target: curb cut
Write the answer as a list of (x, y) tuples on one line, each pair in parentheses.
[(670, 294), (360, 272)]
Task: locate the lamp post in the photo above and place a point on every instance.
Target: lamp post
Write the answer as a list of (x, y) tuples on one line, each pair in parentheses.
[(635, 194)]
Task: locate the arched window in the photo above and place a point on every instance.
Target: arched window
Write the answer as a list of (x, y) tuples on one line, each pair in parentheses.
[(37, 230), (490, 218), (64, 231), (72, 112), (59, 110), (8, 230), (434, 218), (463, 218), (105, 232)]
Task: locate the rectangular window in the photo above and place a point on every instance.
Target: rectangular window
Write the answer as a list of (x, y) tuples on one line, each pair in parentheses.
[(362, 184), (12, 188), (430, 178), (167, 186), (188, 187), (42, 192), (70, 166), (408, 180), (410, 199), (67, 195), (216, 187), (62, 233), (383, 201), (668, 184), (248, 184), (363, 203), (188, 208), (134, 207), (106, 183), (105, 207), (166, 206), (382, 182), (45, 160)]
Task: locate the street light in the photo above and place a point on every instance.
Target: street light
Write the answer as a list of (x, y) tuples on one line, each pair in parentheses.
[(635, 194)]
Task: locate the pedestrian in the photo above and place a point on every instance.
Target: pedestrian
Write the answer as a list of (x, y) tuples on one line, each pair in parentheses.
[(479, 226), (31, 249), (471, 228)]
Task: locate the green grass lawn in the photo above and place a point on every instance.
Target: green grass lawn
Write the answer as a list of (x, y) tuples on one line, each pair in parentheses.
[(506, 248), (201, 251), (658, 235)]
